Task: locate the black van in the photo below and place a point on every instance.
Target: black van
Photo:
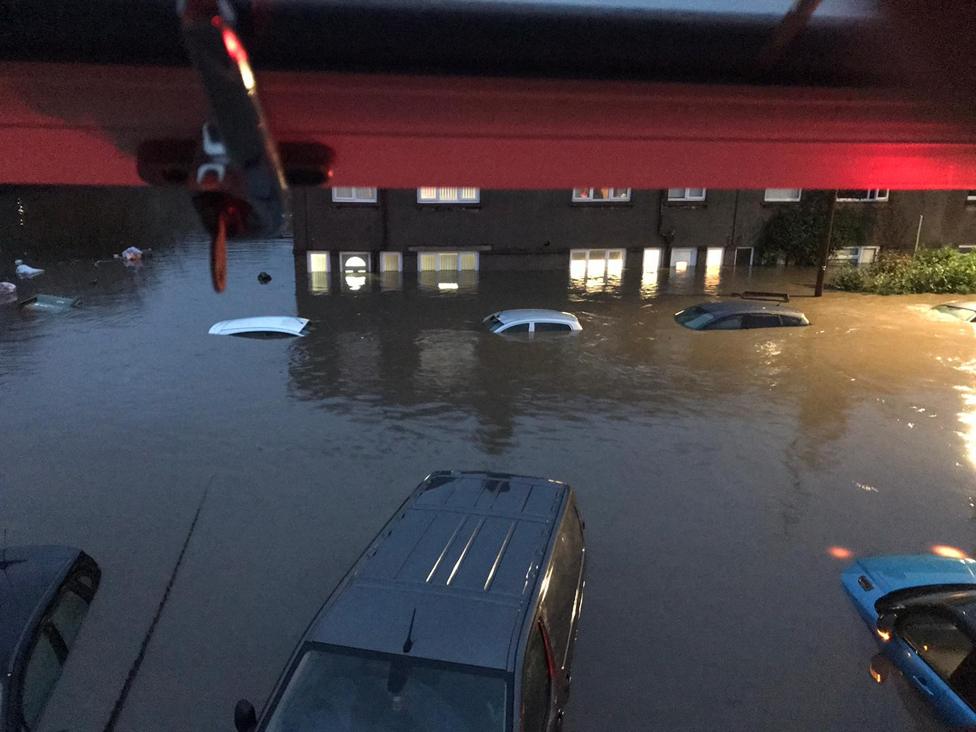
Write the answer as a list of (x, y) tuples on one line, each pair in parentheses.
[(461, 615)]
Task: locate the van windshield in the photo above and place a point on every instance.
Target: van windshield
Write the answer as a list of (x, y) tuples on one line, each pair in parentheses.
[(348, 690)]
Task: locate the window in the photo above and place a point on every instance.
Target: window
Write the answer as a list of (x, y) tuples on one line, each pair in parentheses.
[(354, 195), (448, 195), (391, 262), (686, 194), (520, 328), (354, 261), (874, 194), (743, 256), (335, 688), (318, 262), (971, 195), (790, 320), (600, 195), (714, 257), (40, 675), (652, 260), (596, 263), (67, 615), (536, 684), (684, 257), (733, 322), (945, 648), (559, 604), (760, 320), (782, 195), (447, 261), (552, 328)]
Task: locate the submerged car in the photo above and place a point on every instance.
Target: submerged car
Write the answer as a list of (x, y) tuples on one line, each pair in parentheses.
[(964, 311), (738, 315), (510, 322), (45, 592), (922, 609), (461, 615), (268, 326)]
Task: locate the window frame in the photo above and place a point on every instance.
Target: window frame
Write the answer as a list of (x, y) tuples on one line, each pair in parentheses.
[(685, 197), (355, 198), (767, 199), (538, 631), (876, 198), (601, 201), (438, 201)]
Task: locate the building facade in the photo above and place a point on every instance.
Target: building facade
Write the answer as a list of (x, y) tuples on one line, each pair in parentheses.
[(433, 229)]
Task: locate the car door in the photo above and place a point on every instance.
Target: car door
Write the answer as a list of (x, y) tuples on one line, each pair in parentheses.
[(937, 658), (536, 712), (53, 639)]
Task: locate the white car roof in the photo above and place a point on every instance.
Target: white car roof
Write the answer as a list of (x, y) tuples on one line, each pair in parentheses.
[(553, 316), (963, 305), (261, 324)]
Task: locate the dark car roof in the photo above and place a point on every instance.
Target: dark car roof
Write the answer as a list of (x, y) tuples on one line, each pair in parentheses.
[(29, 575), (735, 307), (464, 551)]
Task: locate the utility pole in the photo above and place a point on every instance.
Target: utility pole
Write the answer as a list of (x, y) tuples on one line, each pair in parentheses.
[(825, 249)]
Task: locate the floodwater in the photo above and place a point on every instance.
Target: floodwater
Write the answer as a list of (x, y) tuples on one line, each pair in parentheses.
[(715, 472)]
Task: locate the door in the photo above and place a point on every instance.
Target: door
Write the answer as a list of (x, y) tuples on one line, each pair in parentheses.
[(536, 701), (938, 659)]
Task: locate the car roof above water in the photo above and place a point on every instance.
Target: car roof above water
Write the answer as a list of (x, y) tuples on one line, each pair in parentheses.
[(464, 553), (739, 307), (512, 316)]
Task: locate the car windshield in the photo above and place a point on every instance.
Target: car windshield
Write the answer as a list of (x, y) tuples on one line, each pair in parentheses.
[(694, 317), (963, 314), (341, 689), (492, 322)]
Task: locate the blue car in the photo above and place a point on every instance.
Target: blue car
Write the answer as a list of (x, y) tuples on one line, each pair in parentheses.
[(922, 610)]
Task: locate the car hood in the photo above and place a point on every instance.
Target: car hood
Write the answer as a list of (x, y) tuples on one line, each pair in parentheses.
[(901, 572)]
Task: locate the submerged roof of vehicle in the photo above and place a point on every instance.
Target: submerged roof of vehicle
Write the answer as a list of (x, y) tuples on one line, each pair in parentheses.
[(260, 324), (741, 306), (464, 552), (971, 305), (511, 316), (28, 575)]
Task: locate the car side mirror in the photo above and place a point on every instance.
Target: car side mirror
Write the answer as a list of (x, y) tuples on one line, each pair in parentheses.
[(885, 625), (245, 718)]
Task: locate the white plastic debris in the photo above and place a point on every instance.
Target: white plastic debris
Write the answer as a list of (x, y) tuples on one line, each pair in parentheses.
[(25, 271), (8, 292), (132, 254)]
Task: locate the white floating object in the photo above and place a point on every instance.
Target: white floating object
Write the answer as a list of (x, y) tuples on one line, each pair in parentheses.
[(132, 254), (8, 288), (282, 324), (25, 271)]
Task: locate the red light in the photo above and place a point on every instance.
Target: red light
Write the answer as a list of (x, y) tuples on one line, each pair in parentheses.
[(840, 552), (215, 21), (233, 45)]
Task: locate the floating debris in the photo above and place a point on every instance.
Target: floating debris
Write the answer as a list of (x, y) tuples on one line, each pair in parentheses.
[(54, 303), (865, 487), (25, 271), (264, 278), (132, 254)]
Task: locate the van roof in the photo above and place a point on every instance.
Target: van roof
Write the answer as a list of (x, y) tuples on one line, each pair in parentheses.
[(463, 551)]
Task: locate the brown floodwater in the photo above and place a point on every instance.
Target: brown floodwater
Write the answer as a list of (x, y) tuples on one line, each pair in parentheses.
[(715, 472)]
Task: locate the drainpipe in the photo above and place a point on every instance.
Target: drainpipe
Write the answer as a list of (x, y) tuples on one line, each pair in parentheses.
[(918, 234), (825, 249)]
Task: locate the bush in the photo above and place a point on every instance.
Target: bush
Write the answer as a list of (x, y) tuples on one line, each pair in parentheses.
[(932, 270)]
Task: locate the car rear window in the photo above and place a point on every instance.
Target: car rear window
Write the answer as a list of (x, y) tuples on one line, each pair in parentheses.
[(348, 690)]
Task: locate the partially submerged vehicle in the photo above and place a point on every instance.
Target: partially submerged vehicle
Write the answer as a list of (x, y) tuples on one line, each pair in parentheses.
[(461, 615), (922, 610), (45, 592), (268, 326), (53, 303), (511, 322), (739, 315), (964, 311)]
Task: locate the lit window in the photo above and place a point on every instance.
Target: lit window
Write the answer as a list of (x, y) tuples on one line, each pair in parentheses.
[(354, 195), (600, 195), (447, 261), (782, 195), (318, 261), (713, 257), (596, 263), (652, 260), (391, 262), (448, 195), (971, 195), (873, 194), (354, 261), (686, 194)]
